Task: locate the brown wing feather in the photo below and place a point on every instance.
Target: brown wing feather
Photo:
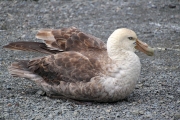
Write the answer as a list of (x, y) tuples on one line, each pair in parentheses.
[(30, 46), (66, 66), (58, 40), (70, 39)]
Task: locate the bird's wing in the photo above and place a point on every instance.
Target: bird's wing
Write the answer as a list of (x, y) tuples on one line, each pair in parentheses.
[(66, 66), (59, 40), (69, 39)]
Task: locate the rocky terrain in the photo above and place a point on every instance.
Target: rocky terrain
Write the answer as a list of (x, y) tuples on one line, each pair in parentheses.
[(156, 22)]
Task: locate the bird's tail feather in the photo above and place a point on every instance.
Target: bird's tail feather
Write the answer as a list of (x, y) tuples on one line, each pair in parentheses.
[(30, 46), (20, 69)]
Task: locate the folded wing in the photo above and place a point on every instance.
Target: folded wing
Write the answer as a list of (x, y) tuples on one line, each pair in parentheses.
[(58, 40), (67, 67)]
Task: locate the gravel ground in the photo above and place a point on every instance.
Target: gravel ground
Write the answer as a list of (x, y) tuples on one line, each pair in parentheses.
[(157, 22)]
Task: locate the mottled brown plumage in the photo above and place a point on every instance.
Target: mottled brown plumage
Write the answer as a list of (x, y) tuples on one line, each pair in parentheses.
[(79, 66), (70, 39)]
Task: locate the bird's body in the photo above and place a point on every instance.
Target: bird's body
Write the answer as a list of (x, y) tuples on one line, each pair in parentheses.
[(81, 66)]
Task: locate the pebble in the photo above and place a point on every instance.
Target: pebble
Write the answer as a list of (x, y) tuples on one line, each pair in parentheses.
[(40, 92), (177, 116), (149, 114), (8, 87), (170, 96), (109, 110), (135, 111), (9, 104), (178, 102), (178, 90), (75, 113), (11, 95), (172, 6), (141, 112)]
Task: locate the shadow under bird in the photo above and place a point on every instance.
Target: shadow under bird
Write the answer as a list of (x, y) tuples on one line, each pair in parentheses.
[(80, 66)]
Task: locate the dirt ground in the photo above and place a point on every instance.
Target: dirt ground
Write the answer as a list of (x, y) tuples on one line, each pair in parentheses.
[(156, 22)]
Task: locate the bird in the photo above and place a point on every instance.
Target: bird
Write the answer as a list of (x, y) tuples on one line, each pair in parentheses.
[(80, 66)]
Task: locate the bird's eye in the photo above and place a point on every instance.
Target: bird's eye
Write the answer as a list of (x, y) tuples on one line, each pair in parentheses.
[(130, 38)]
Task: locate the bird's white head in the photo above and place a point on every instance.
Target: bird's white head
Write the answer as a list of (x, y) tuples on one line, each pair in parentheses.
[(124, 39)]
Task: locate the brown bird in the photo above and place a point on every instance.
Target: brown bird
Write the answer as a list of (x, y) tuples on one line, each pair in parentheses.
[(80, 66)]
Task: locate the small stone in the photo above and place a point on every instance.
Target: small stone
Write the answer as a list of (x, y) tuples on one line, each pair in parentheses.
[(50, 116), (5, 115), (170, 96), (109, 110), (153, 6), (146, 85), (118, 115), (140, 101), (177, 116), (164, 114), (135, 111), (8, 87), (9, 104), (17, 104), (161, 101), (141, 112), (21, 97), (138, 86), (149, 115), (172, 6), (178, 90), (178, 102), (11, 95), (75, 113), (40, 92), (58, 101)]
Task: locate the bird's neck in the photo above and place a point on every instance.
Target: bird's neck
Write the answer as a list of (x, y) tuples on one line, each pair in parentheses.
[(115, 52)]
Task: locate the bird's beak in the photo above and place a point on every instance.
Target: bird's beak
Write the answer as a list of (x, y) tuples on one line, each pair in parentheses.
[(143, 47)]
